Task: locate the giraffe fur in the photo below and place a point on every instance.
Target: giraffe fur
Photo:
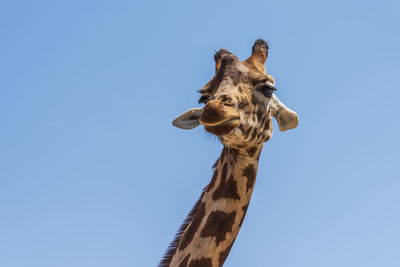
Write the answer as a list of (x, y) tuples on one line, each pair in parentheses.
[(240, 103)]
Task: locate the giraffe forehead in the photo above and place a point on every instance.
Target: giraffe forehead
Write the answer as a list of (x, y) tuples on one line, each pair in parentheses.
[(230, 73)]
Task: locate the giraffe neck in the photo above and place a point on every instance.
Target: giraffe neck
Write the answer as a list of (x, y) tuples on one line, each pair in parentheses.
[(213, 225)]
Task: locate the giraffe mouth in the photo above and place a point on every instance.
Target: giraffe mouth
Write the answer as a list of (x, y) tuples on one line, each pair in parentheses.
[(224, 127)]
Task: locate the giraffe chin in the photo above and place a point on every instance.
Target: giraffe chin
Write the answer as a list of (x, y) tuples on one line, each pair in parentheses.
[(224, 127)]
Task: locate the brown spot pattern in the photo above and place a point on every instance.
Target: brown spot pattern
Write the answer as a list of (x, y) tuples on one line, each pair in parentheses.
[(193, 227), (251, 151), (245, 132), (231, 190), (244, 208), (250, 174), (253, 135), (259, 114), (234, 153), (259, 152), (203, 262), (223, 155), (250, 132), (184, 263), (224, 254), (267, 125), (223, 178), (213, 180), (226, 188), (263, 119), (218, 224)]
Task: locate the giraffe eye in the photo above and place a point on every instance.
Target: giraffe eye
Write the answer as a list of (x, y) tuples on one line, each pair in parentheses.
[(266, 89)]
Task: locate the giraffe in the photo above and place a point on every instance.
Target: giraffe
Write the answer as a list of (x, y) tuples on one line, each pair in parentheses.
[(240, 102)]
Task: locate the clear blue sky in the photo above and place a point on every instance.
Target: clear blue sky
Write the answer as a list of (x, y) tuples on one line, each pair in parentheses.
[(92, 173)]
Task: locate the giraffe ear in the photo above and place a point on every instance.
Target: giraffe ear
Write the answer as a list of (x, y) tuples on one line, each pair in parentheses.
[(287, 119), (189, 119)]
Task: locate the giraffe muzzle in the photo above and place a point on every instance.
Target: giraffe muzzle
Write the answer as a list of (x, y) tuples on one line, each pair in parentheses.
[(223, 127)]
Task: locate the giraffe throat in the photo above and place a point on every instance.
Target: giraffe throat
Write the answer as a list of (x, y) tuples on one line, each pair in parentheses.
[(208, 233)]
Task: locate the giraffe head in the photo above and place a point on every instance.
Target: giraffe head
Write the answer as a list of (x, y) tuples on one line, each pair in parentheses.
[(240, 101)]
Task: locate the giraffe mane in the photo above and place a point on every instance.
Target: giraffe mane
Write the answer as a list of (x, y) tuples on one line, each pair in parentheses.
[(166, 260)]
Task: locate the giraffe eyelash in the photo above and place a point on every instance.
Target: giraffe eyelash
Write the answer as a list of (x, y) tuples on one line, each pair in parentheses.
[(204, 99)]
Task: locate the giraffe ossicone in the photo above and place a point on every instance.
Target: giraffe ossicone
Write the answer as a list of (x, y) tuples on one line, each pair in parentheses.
[(240, 102)]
